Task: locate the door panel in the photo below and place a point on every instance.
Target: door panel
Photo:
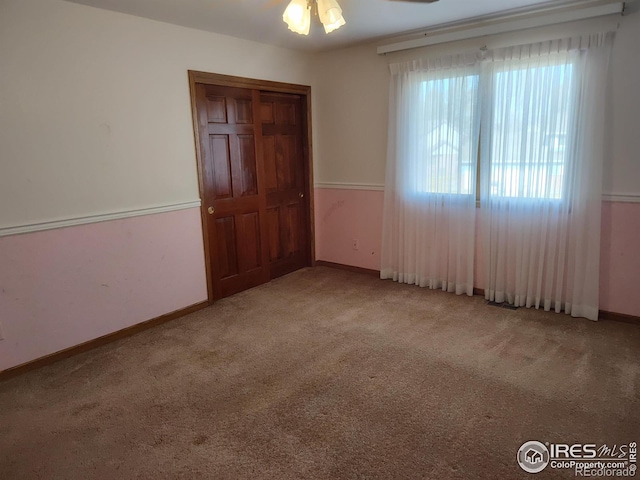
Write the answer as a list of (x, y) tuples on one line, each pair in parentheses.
[(269, 148), (232, 170), (287, 156), (227, 254), (275, 248), (251, 256), (219, 145), (248, 184), (243, 111), (292, 220), (287, 113), (285, 171), (216, 109)]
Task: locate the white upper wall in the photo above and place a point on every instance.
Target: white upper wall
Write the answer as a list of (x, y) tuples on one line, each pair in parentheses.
[(351, 109), (95, 115), (623, 176), (352, 103)]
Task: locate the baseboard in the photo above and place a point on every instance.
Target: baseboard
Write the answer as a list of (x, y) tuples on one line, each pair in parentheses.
[(619, 317), (348, 268), (612, 316), (602, 315), (98, 342)]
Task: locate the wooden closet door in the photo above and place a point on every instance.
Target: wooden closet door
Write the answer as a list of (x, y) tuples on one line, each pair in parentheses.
[(233, 187), (285, 182)]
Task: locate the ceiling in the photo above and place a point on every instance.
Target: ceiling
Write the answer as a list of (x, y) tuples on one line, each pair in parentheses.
[(261, 20)]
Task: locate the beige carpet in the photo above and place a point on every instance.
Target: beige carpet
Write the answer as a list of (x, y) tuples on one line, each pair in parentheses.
[(325, 374)]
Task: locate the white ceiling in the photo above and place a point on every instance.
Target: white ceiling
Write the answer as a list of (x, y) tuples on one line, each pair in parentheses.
[(261, 20)]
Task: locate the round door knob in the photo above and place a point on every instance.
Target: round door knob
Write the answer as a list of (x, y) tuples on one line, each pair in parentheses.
[(211, 210), (301, 195)]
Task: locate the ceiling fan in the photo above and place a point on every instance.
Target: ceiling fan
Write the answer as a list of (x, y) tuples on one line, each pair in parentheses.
[(297, 15)]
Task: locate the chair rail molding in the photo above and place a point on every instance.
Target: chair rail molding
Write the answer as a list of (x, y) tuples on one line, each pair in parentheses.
[(606, 197), (350, 186), (621, 198), (101, 217)]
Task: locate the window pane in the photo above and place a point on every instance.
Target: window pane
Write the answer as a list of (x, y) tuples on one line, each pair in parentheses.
[(447, 135), (531, 120)]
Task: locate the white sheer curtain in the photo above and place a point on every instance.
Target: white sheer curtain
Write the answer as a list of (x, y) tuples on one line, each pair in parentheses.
[(542, 151), (430, 189)]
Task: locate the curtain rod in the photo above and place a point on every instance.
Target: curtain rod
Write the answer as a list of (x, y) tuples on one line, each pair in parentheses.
[(471, 31)]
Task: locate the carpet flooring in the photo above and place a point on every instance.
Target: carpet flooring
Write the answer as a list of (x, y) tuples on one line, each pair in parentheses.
[(325, 374)]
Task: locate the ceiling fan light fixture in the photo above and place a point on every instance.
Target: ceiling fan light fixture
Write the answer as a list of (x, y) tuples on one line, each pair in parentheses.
[(297, 16), (330, 15)]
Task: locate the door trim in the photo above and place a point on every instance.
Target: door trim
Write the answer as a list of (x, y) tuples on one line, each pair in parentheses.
[(265, 86)]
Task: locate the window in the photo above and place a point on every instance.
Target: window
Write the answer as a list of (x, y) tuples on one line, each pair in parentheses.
[(531, 118), (526, 124), (448, 140)]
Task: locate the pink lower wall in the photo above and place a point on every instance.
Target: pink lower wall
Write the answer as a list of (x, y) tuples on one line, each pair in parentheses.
[(344, 215), (620, 259), (60, 288)]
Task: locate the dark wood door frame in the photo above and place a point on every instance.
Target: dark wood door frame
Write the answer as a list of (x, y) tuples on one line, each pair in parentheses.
[(265, 86)]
